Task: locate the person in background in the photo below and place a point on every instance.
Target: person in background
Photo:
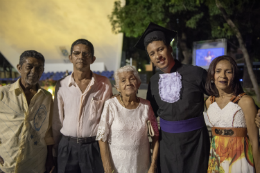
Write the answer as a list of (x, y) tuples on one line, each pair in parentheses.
[(235, 144), (78, 103), (124, 125), (25, 120)]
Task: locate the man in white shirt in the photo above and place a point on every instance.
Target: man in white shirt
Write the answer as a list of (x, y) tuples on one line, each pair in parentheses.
[(79, 99)]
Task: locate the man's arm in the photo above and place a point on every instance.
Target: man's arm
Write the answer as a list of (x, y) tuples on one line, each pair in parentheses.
[(155, 148)]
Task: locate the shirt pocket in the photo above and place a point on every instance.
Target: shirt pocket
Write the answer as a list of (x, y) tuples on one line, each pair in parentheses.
[(95, 108)]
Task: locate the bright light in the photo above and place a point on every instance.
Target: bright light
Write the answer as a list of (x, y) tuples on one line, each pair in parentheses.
[(50, 90), (241, 80), (139, 70)]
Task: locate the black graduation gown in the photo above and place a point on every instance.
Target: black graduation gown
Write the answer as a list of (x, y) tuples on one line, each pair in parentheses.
[(186, 152)]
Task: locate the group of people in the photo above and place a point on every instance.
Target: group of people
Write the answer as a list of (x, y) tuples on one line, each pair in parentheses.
[(88, 130)]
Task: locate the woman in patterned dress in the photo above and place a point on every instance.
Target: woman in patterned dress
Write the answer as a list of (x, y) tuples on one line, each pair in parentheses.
[(234, 146), (122, 132)]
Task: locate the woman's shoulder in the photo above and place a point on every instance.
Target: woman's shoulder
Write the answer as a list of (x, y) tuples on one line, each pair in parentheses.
[(110, 101), (246, 101)]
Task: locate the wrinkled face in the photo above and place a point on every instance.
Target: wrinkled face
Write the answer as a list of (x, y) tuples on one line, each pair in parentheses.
[(127, 84), (223, 75), (81, 57), (160, 54), (31, 71)]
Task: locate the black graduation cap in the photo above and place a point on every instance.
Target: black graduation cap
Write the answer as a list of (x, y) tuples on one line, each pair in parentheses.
[(157, 31)]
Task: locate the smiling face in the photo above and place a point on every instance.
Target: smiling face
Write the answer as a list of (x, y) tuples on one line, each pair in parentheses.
[(160, 55), (81, 57), (127, 84), (223, 75), (31, 71)]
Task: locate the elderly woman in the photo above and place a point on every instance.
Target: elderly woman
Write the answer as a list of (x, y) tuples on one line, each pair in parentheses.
[(124, 126)]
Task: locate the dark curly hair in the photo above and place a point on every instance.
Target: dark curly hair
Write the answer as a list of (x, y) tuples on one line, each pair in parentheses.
[(235, 83), (31, 53)]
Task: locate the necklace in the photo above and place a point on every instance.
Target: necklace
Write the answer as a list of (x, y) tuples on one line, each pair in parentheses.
[(121, 100)]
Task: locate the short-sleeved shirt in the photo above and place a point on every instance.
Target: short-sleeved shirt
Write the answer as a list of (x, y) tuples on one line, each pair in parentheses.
[(25, 130)]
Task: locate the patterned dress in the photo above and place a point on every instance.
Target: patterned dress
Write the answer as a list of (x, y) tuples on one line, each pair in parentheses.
[(229, 154), (126, 133)]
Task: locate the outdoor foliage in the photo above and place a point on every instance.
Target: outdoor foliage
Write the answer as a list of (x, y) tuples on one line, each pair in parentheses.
[(188, 16)]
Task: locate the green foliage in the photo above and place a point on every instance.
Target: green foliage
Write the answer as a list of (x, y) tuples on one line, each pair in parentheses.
[(197, 19), (134, 17), (141, 12), (222, 32), (192, 22)]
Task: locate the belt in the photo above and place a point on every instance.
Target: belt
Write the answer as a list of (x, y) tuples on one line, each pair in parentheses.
[(81, 140), (229, 132), (183, 125)]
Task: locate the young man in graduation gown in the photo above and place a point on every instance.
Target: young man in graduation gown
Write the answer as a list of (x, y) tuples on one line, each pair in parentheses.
[(176, 94)]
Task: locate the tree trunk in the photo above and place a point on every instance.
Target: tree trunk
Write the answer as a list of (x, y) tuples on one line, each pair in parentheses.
[(242, 46)]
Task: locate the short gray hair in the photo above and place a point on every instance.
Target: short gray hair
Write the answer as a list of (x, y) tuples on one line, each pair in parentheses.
[(126, 69)]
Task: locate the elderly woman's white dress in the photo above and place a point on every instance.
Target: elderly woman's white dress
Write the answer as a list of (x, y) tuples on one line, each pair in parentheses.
[(126, 132)]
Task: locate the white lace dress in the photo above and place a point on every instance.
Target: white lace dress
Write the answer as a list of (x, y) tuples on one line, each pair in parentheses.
[(229, 154), (126, 132)]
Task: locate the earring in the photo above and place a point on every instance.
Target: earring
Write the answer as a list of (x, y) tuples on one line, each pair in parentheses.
[(212, 81)]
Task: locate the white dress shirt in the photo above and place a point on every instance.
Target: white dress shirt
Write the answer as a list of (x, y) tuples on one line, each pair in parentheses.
[(77, 114)]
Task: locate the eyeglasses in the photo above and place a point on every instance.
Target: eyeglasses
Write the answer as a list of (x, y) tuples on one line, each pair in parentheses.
[(84, 54)]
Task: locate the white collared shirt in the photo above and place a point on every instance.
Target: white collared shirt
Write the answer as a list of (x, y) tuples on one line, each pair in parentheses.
[(75, 113)]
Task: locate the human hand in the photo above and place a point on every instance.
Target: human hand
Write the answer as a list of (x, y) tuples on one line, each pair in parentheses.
[(257, 119), (108, 169)]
